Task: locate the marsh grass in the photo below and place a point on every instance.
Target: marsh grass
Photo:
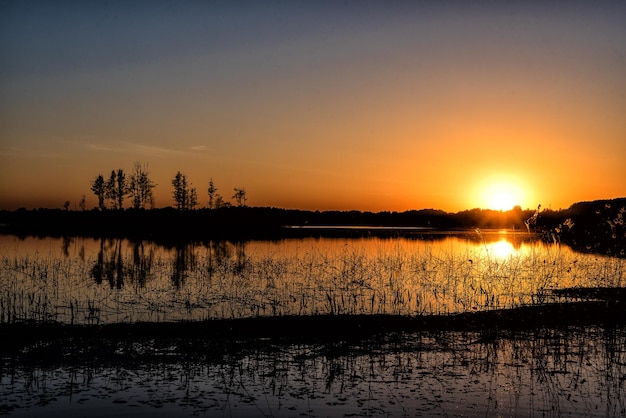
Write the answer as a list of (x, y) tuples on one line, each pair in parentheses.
[(547, 372), (222, 281)]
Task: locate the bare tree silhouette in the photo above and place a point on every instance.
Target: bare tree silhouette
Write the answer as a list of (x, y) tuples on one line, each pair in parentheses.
[(116, 188), (212, 190), (240, 196), (98, 187), (185, 196), (140, 186)]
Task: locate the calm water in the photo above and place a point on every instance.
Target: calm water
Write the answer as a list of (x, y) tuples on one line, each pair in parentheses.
[(566, 372), (82, 280), (548, 373)]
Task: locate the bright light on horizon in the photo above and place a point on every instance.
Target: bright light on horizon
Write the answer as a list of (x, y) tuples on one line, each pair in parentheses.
[(502, 195), (419, 106)]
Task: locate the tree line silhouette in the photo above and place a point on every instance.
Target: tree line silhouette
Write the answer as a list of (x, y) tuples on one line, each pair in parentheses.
[(598, 226), (113, 191), (117, 188)]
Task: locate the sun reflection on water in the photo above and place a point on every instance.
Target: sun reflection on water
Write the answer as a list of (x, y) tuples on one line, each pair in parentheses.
[(143, 281), (501, 249)]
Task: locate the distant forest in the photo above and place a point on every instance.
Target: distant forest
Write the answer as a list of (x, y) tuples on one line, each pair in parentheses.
[(596, 226)]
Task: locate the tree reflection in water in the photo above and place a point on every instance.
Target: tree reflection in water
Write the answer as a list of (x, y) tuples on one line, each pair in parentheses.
[(220, 253), (156, 281), (111, 266), (66, 242), (143, 258), (184, 261)]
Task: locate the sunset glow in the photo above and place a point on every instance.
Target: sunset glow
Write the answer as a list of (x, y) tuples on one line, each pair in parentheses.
[(502, 200), (502, 196), (317, 105)]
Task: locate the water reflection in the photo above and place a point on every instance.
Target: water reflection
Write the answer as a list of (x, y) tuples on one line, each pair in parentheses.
[(112, 265), (140, 280), (500, 249), (219, 254), (70, 246), (143, 259), (65, 245), (550, 373), (109, 264), (184, 261)]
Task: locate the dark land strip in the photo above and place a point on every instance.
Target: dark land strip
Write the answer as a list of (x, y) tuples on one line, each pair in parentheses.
[(598, 226), (53, 343)]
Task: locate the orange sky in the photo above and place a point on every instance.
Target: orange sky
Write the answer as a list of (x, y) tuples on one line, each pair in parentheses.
[(358, 105)]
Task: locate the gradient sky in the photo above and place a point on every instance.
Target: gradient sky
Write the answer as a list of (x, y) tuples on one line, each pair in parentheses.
[(390, 105)]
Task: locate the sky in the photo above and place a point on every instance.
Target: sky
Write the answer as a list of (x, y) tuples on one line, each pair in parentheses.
[(321, 105)]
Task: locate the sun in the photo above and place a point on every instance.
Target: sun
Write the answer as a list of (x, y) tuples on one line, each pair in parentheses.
[(502, 195), (501, 200)]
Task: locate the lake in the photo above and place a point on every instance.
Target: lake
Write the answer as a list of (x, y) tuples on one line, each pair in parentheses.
[(90, 281), (562, 371), (549, 373)]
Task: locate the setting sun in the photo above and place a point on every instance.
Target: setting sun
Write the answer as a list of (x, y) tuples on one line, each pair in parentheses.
[(502, 196), (502, 201), (379, 109)]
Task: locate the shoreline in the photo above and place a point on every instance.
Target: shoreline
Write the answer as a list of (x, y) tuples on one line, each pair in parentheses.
[(589, 227), (54, 342), (498, 362)]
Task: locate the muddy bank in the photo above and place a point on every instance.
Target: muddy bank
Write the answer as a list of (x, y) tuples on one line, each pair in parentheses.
[(59, 343)]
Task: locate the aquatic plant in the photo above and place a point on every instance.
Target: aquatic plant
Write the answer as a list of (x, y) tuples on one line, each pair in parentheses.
[(548, 372), (191, 282)]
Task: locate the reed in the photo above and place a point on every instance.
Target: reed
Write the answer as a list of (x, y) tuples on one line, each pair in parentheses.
[(547, 372), (193, 283)]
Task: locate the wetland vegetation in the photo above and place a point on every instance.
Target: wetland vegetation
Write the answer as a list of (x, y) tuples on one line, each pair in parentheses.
[(116, 280), (323, 318)]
